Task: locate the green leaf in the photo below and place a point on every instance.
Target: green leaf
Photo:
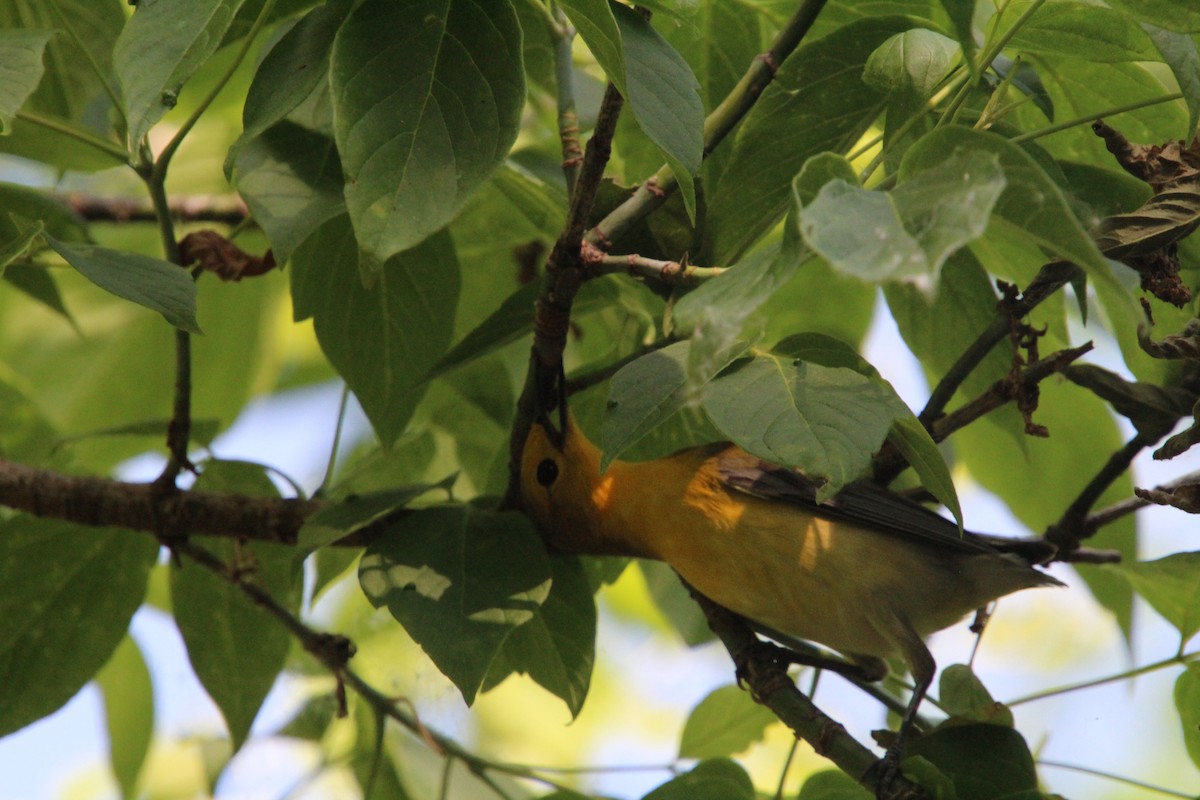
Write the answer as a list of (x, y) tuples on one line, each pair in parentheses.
[(151, 282), (558, 646), (1179, 52), (908, 435), (1031, 202), (985, 762), (1171, 585), (817, 102), (291, 180), (911, 230), (161, 46), (724, 723), (18, 245), (427, 98), (913, 441), (357, 512), (21, 55), (962, 16), (647, 392), (827, 422), (912, 63), (664, 97), (459, 580), (129, 712), (236, 648), (1170, 14), (714, 779), (1187, 703), (816, 172), (832, 784), (69, 90), (597, 26), (385, 338), (715, 313), (964, 697), (68, 594), (675, 602), (296, 66), (1081, 30), (21, 203)]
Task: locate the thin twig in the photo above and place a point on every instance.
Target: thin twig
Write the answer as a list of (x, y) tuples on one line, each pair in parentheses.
[(1071, 528), (655, 191), (671, 273), (564, 88), (1110, 514)]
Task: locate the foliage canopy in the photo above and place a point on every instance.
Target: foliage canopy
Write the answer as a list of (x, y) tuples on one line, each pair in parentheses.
[(1013, 177)]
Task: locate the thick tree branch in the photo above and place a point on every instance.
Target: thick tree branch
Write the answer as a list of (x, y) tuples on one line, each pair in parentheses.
[(164, 511)]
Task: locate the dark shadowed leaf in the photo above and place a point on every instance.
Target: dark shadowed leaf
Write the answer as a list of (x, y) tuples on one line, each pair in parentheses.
[(459, 580), (151, 282), (714, 779), (68, 593)]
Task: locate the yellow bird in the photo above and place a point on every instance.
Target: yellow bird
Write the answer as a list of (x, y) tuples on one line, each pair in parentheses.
[(867, 573)]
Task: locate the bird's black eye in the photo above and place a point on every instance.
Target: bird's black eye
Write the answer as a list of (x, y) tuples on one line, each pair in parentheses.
[(547, 472)]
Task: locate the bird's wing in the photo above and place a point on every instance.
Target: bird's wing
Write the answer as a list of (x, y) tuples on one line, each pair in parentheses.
[(866, 505)]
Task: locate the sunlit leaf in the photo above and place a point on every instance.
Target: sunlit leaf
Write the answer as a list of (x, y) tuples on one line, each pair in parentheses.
[(1171, 585), (128, 712)]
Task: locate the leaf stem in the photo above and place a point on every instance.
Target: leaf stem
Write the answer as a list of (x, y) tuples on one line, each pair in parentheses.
[(163, 161), (337, 440), (59, 126), (1088, 118), (564, 85), (1118, 778), (654, 191), (1175, 660)]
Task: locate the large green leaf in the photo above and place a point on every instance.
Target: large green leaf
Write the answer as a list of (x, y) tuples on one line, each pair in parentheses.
[(162, 46), (69, 89), (151, 282), (67, 593), (460, 581), (1170, 14), (291, 179), (984, 762), (1172, 586), (295, 67), (828, 422), (647, 392), (911, 230), (1179, 52), (664, 97), (724, 723), (128, 711), (817, 102), (427, 98), (21, 55), (912, 63), (597, 26), (558, 646), (382, 339), (1031, 202), (236, 648), (1080, 30), (357, 512)]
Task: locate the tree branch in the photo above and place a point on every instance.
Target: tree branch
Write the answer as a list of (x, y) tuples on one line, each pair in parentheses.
[(164, 511), (769, 683), (225, 210), (655, 191), (671, 273)]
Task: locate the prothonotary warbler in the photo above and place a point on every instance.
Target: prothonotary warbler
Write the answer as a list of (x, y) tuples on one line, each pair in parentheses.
[(868, 573)]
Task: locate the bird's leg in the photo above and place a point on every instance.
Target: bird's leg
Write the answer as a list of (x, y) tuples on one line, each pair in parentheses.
[(921, 664)]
